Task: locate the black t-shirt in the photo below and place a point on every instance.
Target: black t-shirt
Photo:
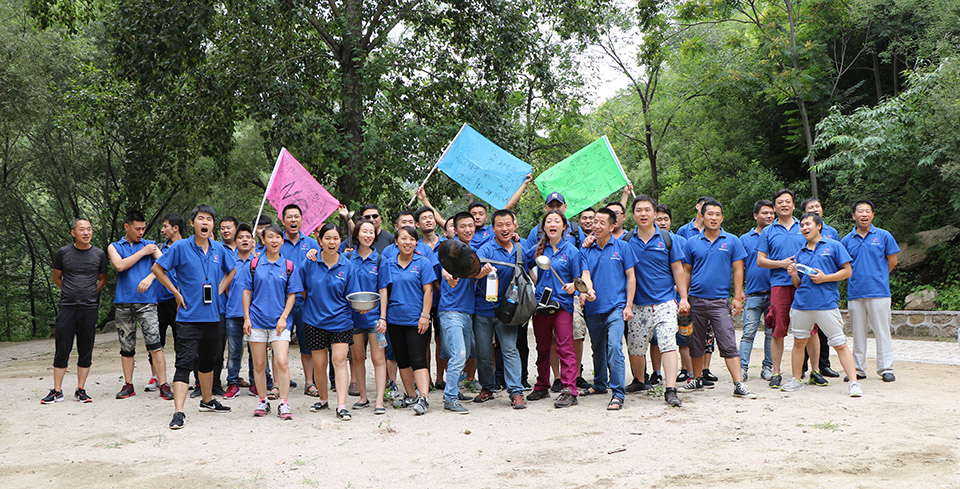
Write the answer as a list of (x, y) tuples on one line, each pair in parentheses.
[(80, 271)]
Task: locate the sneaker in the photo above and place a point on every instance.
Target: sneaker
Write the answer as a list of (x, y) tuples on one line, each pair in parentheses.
[(817, 379), (252, 391), (889, 377), (636, 386), (740, 390), (463, 397), (855, 389), (408, 401), (707, 383), (218, 390), (455, 407), (743, 374), (420, 407), (517, 401), (557, 386), (860, 376), (692, 385), (392, 390), (344, 415), (262, 409), (440, 385), (583, 384), (483, 396), (283, 412), (526, 385), (177, 422), (654, 379), (792, 385), (565, 399), (671, 397), (536, 395), (196, 392), (165, 392), (776, 381), (126, 392), (319, 406), (766, 373), (80, 395), (471, 385), (213, 406), (52, 397), (153, 385), (683, 376), (232, 391), (707, 375)]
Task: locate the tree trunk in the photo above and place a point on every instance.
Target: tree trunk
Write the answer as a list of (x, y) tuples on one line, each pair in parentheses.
[(351, 64), (876, 73), (652, 156), (798, 98)]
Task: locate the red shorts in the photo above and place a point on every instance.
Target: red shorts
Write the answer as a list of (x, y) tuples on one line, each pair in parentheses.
[(778, 314)]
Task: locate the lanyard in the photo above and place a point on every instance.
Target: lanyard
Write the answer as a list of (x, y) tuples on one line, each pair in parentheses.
[(203, 259)]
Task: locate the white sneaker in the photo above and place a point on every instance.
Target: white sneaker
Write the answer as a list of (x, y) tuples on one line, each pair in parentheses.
[(766, 373), (792, 385), (153, 385), (855, 389)]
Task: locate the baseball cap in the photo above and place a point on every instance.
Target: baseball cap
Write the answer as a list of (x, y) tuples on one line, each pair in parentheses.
[(555, 196)]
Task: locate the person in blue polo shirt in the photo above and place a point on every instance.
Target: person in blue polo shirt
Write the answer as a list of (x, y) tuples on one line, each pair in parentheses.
[(818, 268), (406, 294), (709, 259), (328, 316), (171, 229), (234, 320), (136, 302), (654, 304), (874, 254), (757, 298), (611, 265), (571, 234), (204, 269), (695, 226), (296, 244), (812, 204), (269, 285), (426, 223)]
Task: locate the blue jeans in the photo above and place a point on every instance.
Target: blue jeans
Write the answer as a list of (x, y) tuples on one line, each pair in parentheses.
[(753, 312), (606, 338), (234, 349), (456, 346), (299, 325), (483, 329)]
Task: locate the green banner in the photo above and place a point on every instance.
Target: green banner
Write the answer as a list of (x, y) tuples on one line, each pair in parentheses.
[(585, 177)]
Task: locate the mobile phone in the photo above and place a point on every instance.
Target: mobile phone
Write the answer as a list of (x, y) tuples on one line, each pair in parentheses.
[(207, 294), (545, 298)]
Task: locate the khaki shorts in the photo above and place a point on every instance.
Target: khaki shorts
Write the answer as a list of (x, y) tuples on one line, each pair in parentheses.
[(579, 321)]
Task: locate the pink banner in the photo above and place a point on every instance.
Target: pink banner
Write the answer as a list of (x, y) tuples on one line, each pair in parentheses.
[(293, 184)]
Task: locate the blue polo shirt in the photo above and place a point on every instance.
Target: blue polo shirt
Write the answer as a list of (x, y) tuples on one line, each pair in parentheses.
[(222, 298), (688, 230), (607, 267), (871, 274), (461, 298), (128, 279), (829, 256), (422, 249), (493, 251), (758, 279), (829, 231), (270, 286), (365, 273), (235, 292), (297, 252), (326, 306), (481, 237), (778, 243), (193, 269), (164, 295), (566, 261), (655, 283), (583, 235), (712, 264), (405, 296)]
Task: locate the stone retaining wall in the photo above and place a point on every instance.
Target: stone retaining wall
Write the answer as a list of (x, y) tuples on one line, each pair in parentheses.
[(924, 324)]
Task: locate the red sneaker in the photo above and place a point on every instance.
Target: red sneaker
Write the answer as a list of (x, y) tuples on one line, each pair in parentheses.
[(126, 392), (165, 392), (232, 391), (253, 391)]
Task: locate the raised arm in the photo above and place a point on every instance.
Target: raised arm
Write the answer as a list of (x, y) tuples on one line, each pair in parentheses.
[(422, 196), (516, 195)]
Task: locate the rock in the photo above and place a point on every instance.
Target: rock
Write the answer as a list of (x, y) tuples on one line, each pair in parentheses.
[(912, 256), (924, 300), (109, 327)]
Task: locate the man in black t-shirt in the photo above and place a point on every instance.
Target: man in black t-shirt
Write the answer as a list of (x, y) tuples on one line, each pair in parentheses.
[(80, 271)]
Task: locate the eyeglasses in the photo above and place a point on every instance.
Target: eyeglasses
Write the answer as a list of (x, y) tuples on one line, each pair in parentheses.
[(372, 216)]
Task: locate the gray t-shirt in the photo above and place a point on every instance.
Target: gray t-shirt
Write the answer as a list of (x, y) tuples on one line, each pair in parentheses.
[(80, 271)]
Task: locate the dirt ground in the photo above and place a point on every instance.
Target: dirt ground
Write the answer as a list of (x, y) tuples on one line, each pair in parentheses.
[(904, 434)]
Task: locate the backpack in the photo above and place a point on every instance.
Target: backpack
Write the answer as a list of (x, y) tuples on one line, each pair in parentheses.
[(520, 300), (665, 236), (574, 231), (253, 272)]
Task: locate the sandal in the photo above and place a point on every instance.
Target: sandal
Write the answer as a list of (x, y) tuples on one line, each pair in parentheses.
[(592, 392), (311, 390), (273, 394), (615, 404)]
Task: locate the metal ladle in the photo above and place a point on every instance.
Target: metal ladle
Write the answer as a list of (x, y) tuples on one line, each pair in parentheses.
[(543, 263)]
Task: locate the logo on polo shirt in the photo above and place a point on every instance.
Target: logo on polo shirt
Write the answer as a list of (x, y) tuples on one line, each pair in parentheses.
[(875, 242), (615, 256), (723, 247), (661, 246), (414, 269), (825, 252), (340, 275), (373, 270), (216, 258)]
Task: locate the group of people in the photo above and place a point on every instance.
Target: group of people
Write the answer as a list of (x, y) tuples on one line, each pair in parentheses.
[(670, 294)]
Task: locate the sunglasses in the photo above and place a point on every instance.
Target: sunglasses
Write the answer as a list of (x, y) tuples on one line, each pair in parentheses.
[(371, 216)]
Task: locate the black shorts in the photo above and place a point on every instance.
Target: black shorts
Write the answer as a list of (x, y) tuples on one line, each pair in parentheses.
[(196, 346), (76, 323), (321, 339)]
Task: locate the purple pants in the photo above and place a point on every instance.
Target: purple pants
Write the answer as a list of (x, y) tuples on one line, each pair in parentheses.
[(545, 329)]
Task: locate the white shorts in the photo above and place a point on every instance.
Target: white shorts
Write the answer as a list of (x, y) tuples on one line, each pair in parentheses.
[(659, 319), (829, 321), (258, 335)]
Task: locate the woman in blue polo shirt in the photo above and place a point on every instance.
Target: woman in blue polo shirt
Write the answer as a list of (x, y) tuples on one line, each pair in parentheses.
[(406, 296), (269, 289), (550, 323), (818, 268), (326, 283), (365, 262)]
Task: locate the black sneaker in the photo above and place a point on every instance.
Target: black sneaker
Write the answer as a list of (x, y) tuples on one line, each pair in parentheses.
[(566, 399), (81, 396), (557, 386), (523, 383), (655, 379), (709, 376), (420, 407), (692, 385), (583, 384), (636, 386), (817, 379), (860, 376), (52, 397), (408, 401), (682, 376), (707, 384), (888, 377), (775, 381), (213, 406), (196, 392), (218, 390), (177, 422), (126, 391), (740, 390), (671, 397)]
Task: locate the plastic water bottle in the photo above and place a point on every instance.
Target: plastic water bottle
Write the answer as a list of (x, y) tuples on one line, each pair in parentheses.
[(513, 295), (805, 269), (493, 284), (382, 340)]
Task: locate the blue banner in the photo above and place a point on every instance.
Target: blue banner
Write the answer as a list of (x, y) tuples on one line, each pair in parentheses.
[(483, 168)]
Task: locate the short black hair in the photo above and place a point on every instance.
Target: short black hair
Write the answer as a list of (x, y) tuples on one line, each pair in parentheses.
[(244, 227), (643, 198), (808, 200), (407, 229), (618, 204), (291, 206), (421, 211), (134, 215), (327, 226), (175, 220), (367, 207), (816, 218), (702, 199), (234, 220), (609, 213), (710, 202), (273, 228), (476, 204), (264, 220), (461, 216), (785, 191), (853, 208), (404, 213), (588, 209), (505, 212), (761, 204), (203, 208), (664, 208)]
